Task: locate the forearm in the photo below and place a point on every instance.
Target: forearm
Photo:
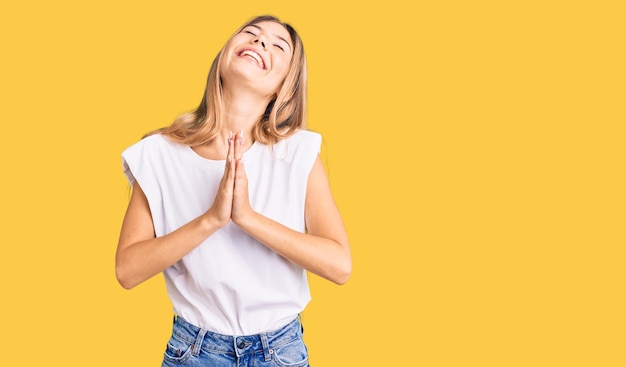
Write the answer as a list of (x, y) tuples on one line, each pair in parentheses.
[(144, 259), (326, 257)]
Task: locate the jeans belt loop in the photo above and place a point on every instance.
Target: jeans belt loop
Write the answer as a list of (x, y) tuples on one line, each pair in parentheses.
[(266, 347), (198, 344)]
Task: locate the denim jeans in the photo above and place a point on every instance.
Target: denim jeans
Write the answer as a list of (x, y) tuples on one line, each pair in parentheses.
[(192, 346)]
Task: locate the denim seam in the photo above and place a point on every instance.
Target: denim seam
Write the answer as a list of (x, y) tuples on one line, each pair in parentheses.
[(183, 338), (275, 346)]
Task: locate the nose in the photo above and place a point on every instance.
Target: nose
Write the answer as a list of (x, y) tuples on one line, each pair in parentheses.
[(262, 42)]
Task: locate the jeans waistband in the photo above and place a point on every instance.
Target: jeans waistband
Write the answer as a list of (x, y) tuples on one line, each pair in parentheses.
[(236, 345)]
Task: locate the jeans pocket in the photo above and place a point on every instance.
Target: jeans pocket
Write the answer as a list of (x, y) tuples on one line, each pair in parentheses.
[(177, 351), (292, 354)]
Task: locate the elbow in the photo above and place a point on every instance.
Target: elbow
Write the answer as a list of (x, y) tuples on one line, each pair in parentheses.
[(343, 274), (344, 268), (342, 279), (124, 279), (126, 285)]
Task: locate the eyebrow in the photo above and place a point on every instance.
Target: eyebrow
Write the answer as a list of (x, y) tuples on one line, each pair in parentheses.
[(275, 35)]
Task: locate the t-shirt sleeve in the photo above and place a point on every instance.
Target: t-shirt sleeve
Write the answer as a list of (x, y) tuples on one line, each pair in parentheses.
[(137, 165), (311, 143), (140, 164), (126, 169), (131, 161)]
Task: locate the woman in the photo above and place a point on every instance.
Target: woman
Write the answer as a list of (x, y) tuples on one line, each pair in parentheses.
[(232, 203)]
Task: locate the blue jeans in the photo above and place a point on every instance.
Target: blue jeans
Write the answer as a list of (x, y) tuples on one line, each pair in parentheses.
[(192, 346)]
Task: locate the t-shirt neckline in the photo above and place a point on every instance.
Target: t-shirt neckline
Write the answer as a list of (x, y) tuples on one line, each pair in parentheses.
[(248, 155)]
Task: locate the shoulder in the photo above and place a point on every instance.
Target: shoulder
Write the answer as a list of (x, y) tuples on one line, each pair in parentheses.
[(150, 141), (305, 137), (302, 146), (150, 144)]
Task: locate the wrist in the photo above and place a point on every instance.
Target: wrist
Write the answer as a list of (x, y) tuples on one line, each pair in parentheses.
[(244, 217), (211, 222)]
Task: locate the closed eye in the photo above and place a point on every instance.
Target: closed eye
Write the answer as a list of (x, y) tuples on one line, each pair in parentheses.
[(250, 32), (281, 47)]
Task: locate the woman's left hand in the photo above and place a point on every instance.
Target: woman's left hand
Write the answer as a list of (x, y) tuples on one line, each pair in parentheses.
[(241, 201)]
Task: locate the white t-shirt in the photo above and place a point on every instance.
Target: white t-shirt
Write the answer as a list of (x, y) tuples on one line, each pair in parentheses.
[(231, 283)]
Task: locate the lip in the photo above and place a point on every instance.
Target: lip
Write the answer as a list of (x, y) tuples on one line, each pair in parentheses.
[(256, 52)]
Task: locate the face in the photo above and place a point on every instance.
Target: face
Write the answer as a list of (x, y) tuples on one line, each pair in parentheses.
[(259, 56)]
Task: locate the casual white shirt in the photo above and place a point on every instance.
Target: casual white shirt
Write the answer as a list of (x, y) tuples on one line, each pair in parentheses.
[(231, 283)]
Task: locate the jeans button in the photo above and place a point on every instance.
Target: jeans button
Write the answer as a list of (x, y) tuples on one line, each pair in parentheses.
[(241, 344)]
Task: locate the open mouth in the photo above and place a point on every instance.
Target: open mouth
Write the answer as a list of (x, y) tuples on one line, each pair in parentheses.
[(253, 55)]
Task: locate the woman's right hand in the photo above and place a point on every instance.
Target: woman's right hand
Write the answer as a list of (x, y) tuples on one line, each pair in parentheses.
[(141, 255)]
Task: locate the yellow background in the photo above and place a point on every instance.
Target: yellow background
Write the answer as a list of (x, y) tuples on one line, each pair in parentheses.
[(475, 149)]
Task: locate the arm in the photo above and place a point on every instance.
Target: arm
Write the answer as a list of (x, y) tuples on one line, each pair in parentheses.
[(141, 255), (324, 250)]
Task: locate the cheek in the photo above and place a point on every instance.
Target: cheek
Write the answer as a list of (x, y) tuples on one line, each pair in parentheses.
[(283, 66), (229, 49)]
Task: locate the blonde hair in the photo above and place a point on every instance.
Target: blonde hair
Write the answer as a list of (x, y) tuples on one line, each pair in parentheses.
[(283, 116)]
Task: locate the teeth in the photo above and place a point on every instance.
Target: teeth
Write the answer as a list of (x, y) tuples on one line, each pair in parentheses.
[(255, 56)]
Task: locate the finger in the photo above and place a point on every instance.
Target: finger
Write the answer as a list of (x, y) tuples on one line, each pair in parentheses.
[(241, 202), (230, 157), (239, 145), (240, 172), (231, 152)]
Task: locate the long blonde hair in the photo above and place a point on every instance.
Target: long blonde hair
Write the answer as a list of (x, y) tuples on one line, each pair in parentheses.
[(283, 116)]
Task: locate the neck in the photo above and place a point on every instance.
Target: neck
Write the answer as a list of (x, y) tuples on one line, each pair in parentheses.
[(242, 110)]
